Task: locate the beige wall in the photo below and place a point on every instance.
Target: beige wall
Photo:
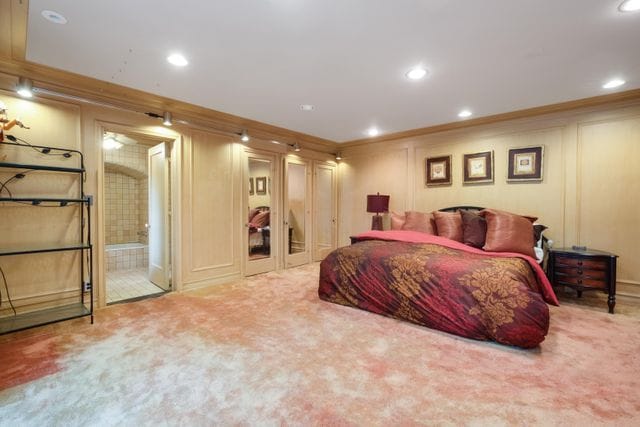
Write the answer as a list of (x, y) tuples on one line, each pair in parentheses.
[(590, 194), (38, 279)]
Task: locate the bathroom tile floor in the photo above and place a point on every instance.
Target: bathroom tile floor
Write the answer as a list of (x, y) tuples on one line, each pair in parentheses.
[(128, 284)]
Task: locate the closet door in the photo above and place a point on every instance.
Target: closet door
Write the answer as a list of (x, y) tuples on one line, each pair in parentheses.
[(262, 223), (297, 212), (325, 209)]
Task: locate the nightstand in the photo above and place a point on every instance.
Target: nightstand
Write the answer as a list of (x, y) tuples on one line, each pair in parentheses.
[(584, 270)]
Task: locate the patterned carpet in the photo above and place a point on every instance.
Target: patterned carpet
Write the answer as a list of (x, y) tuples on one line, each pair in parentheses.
[(267, 351)]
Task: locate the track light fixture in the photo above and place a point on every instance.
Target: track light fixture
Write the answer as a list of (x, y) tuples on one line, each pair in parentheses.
[(25, 87), (166, 119), (295, 146), (244, 136)]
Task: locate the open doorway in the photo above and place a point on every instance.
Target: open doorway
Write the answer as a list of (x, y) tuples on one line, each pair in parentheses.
[(136, 206)]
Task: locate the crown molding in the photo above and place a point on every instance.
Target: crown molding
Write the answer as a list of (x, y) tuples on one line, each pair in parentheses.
[(618, 97)]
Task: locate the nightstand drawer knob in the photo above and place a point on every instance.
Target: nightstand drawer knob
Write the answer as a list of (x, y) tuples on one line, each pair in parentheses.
[(579, 271), (579, 262), (579, 281)]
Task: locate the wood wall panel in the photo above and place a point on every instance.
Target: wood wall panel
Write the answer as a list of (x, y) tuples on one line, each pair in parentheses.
[(541, 199), (370, 173), (211, 208), (609, 191)]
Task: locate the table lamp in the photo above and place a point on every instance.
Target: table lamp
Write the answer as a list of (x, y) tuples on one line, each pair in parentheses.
[(377, 203)]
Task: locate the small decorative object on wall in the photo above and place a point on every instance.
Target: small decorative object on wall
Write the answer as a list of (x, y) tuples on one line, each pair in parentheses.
[(438, 171), (478, 168), (525, 164), (251, 191), (261, 185), (269, 184)]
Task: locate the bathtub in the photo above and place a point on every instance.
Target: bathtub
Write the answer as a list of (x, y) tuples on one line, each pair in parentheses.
[(127, 256)]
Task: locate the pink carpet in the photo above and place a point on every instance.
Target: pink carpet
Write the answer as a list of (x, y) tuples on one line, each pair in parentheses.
[(267, 351)]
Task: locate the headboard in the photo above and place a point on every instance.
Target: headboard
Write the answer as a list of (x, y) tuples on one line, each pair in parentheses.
[(457, 208)]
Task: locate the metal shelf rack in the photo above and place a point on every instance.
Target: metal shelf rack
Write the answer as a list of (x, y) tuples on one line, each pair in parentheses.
[(84, 306)]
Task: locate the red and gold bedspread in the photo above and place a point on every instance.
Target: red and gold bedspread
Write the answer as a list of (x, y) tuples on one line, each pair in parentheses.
[(441, 284)]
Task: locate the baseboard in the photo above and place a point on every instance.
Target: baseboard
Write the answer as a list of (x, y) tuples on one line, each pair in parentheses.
[(628, 289)]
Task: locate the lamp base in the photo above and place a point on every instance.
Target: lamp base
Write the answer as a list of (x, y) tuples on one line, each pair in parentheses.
[(376, 222)]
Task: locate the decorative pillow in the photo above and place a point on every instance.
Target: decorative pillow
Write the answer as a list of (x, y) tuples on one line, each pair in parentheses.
[(261, 220), (507, 232), (449, 225), (253, 213), (474, 229), (419, 221), (397, 221)]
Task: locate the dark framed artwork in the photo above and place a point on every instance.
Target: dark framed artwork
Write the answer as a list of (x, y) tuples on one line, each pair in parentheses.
[(525, 164), (438, 171), (261, 185), (478, 168), (251, 191)]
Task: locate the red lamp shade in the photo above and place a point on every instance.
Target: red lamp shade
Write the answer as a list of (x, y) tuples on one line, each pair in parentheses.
[(377, 203)]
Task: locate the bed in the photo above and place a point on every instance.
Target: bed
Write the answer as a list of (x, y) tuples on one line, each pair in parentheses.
[(259, 229), (443, 284)]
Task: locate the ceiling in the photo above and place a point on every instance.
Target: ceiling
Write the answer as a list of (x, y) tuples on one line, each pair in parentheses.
[(262, 59)]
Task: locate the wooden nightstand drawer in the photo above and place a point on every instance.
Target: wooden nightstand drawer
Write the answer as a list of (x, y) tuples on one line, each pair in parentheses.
[(579, 271), (572, 280), (595, 264)]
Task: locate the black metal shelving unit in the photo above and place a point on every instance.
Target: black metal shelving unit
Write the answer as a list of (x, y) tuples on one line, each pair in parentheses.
[(84, 306)]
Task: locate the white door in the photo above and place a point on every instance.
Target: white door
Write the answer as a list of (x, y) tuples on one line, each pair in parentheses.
[(158, 226), (324, 209), (297, 212)]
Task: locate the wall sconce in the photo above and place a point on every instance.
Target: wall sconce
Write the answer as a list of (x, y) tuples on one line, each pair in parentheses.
[(377, 203), (25, 87), (166, 119), (338, 156), (296, 147), (244, 136)]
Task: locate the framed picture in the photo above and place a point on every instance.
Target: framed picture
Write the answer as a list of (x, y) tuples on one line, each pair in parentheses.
[(478, 168), (525, 164), (261, 185), (269, 184), (438, 171), (251, 191)]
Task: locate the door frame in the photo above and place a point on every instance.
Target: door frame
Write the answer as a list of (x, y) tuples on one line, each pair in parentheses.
[(274, 261), (163, 135)]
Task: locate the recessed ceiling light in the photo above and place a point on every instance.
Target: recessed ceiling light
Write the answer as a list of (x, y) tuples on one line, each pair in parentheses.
[(373, 131), (465, 113), (53, 16), (416, 73), (629, 6), (307, 107), (178, 60), (613, 83)]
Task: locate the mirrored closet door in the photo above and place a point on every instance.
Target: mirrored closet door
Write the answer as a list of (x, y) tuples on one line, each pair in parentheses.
[(297, 212), (261, 210)]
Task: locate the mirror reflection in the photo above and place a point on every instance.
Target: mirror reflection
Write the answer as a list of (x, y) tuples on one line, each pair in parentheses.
[(259, 215), (296, 193)]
